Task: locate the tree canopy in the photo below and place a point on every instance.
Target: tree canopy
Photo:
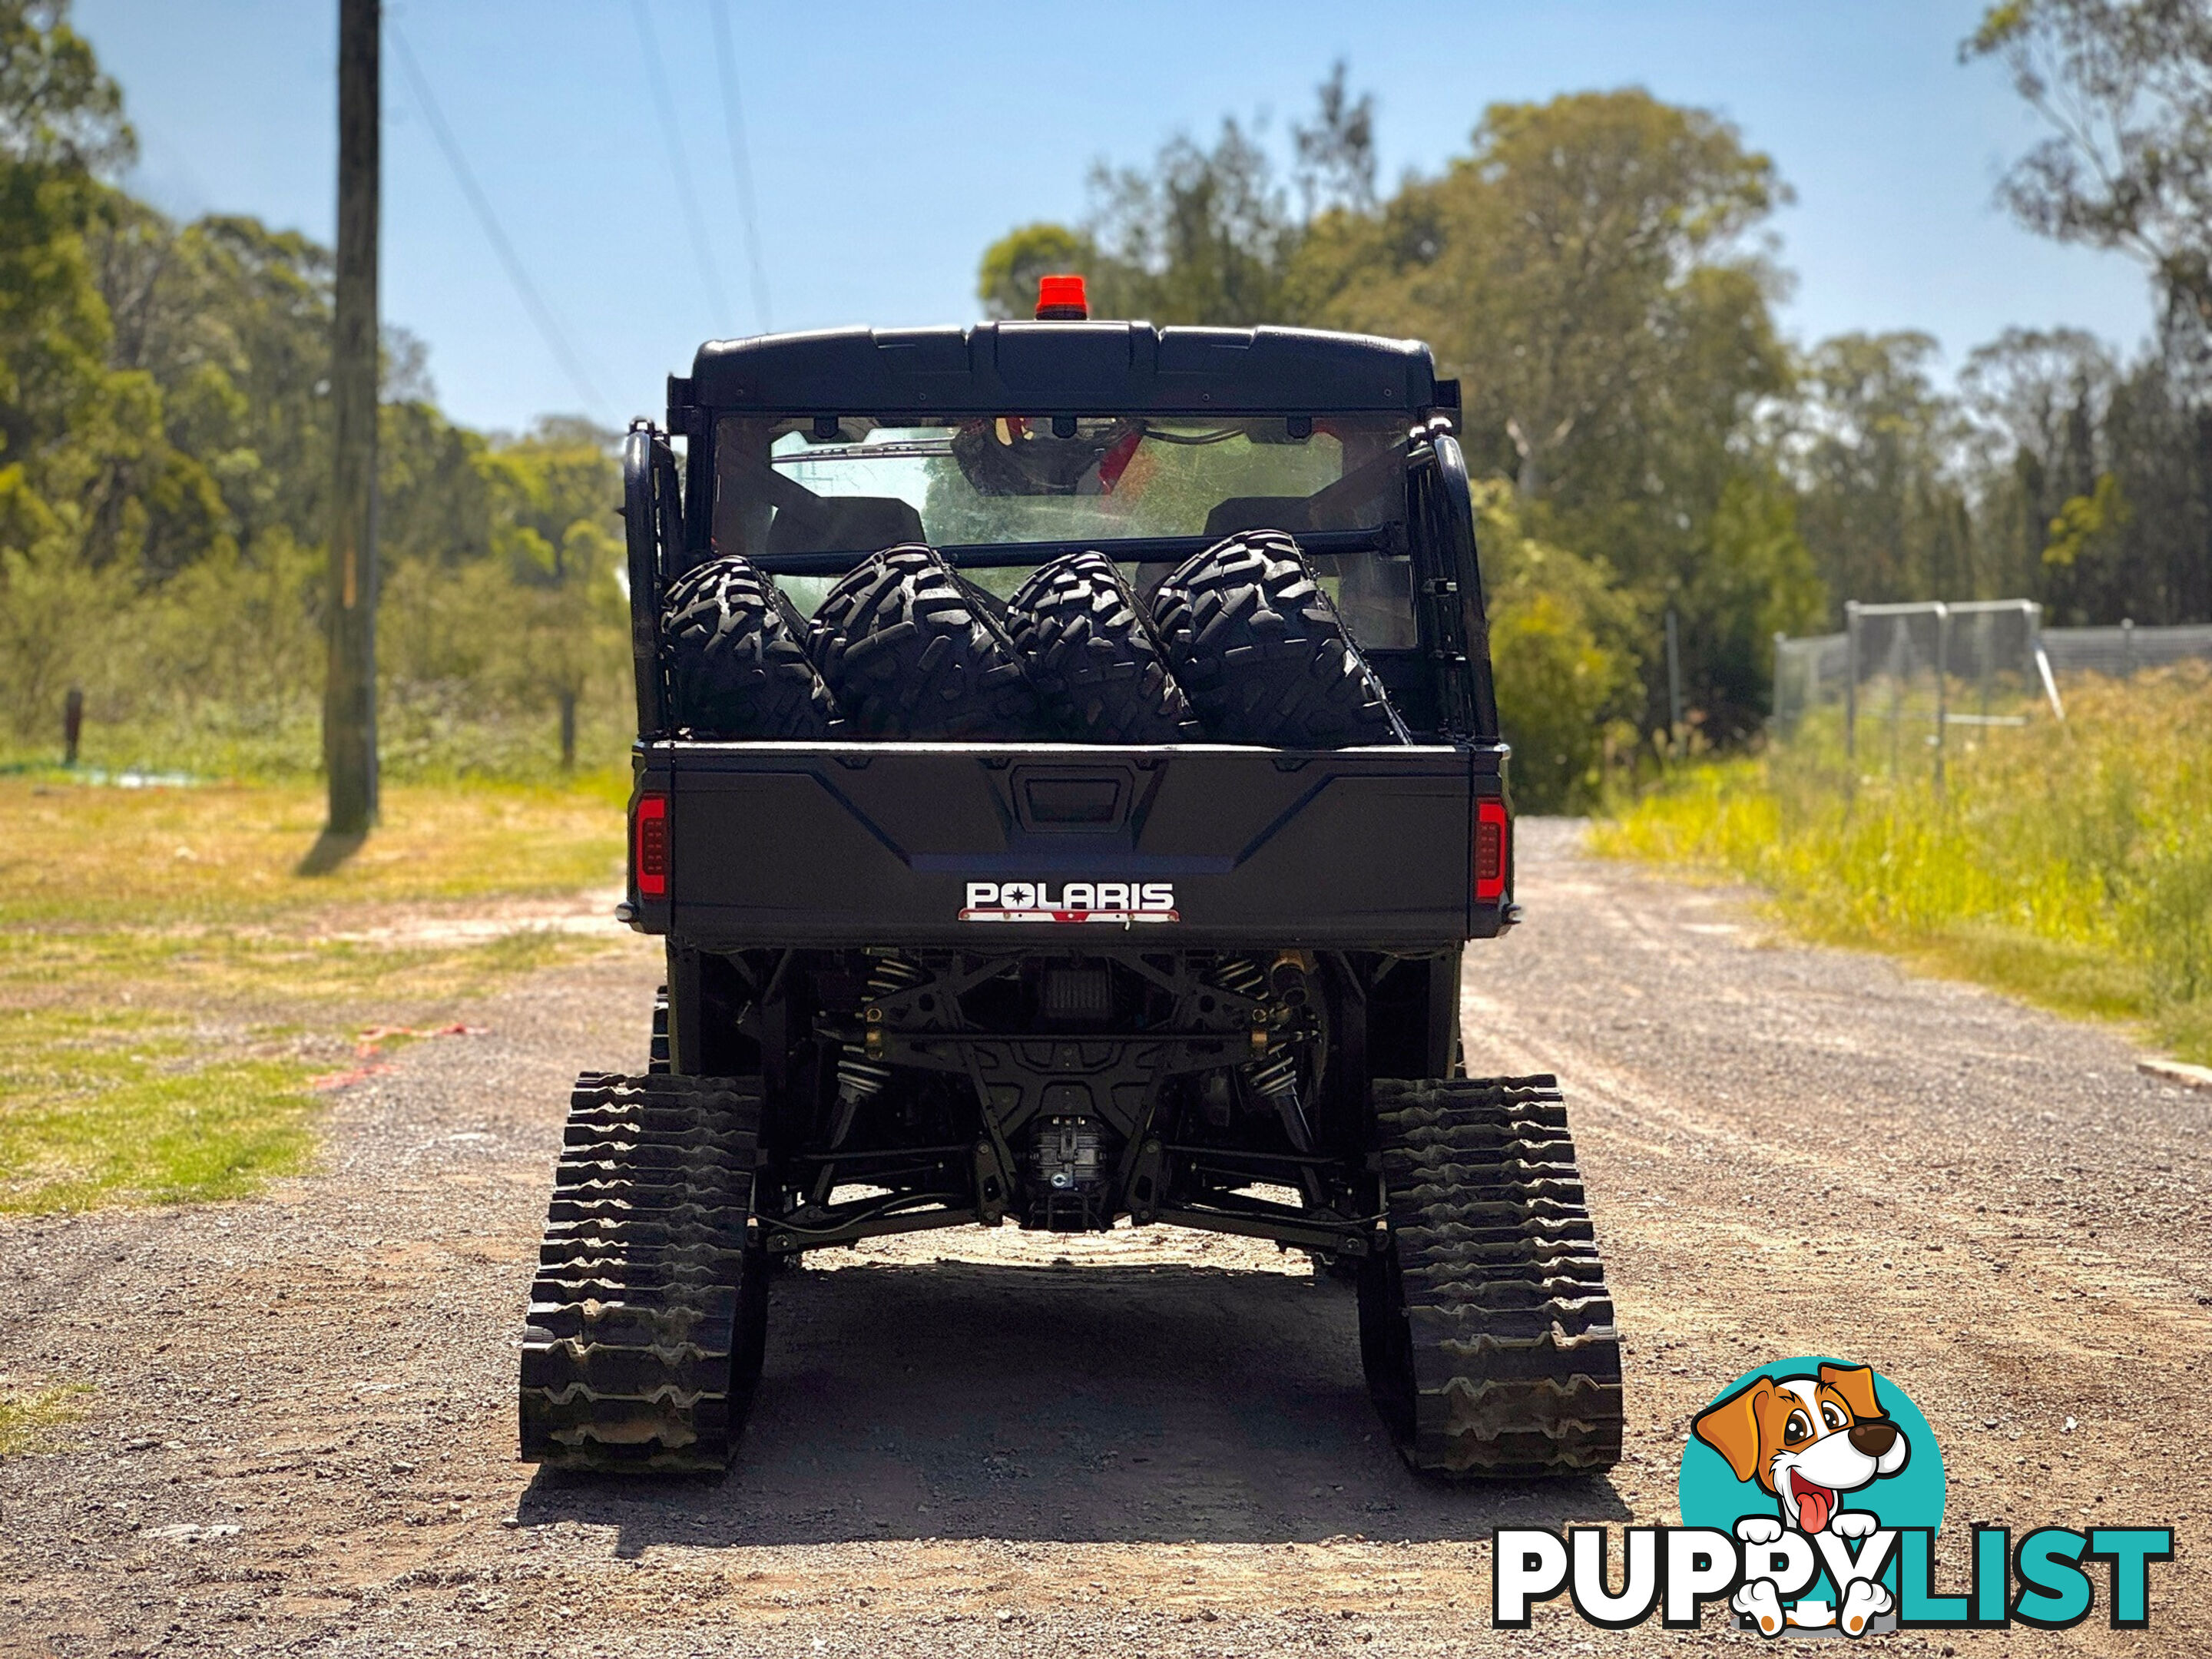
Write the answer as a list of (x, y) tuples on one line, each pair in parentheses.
[(164, 457), (2127, 87)]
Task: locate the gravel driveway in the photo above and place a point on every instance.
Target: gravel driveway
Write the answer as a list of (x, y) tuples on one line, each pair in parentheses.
[(299, 1431)]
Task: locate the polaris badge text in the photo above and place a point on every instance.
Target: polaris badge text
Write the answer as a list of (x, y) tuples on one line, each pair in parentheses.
[(1118, 901)]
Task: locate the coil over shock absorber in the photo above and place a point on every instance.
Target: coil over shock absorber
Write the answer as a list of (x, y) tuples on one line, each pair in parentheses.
[(1273, 1072), (860, 1077)]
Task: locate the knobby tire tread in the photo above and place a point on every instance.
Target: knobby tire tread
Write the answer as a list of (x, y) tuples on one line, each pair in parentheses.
[(909, 650), (735, 650), (1261, 652), (1092, 655)]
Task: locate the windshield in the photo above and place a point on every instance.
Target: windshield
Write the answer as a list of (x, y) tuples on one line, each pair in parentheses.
[(792, 494)]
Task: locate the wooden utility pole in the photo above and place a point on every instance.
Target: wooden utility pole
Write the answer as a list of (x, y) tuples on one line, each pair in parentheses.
[(1674, 688), (349, 694)]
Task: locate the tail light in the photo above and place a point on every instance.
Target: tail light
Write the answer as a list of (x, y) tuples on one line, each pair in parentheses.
[(1491, 835), (648, 842)]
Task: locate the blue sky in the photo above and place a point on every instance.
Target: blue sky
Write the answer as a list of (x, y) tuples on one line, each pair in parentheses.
[(890, 143)]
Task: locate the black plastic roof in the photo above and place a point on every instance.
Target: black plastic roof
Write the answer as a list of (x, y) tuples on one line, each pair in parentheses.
[(1079, 368)]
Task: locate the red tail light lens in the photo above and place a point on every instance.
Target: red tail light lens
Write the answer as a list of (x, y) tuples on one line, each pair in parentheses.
[(648, 834), (1490, 851)]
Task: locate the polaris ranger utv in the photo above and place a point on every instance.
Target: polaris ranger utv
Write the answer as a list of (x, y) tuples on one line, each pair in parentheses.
[(1067, 774)]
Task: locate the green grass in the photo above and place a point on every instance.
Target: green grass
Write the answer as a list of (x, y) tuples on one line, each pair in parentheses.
[(426, 734), (26, 1414), (170, 985), (94, 1109), (74, 855), (2068, 863)]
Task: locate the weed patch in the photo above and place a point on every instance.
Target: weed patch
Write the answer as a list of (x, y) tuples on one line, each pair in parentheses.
[(2068, 863), (28, 1414)]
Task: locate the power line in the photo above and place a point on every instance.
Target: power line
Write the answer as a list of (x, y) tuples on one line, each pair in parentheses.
[(671, 136), (725, 60), (555, 340)]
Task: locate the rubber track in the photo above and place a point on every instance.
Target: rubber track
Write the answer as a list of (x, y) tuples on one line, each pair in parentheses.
[(644, 1330), (1516, 1362), (1091, 653), (735, 648), (909, 650), (1262, 653)]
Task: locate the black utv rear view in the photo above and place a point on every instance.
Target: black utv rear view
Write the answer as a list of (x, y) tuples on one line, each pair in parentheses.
[(1068, 775)]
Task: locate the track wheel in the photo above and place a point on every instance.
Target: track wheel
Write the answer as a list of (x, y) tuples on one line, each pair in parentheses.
[(1485, 1329), (648, 1315)]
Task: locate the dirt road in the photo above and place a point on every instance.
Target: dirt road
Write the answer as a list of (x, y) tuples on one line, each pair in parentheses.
[(298, 1438)]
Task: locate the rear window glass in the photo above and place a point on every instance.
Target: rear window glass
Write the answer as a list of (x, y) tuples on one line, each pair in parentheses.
[(787, 487)]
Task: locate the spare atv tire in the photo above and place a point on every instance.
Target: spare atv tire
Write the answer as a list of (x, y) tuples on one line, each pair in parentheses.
[(909, 650), (1261, 652), (735, 649), (1093, 657)]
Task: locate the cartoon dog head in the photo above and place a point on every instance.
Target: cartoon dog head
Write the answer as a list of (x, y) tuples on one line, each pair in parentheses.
[(1807, 1440)]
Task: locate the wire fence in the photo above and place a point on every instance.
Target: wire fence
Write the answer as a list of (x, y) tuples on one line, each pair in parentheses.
[(2125, 650), (1900, 682)]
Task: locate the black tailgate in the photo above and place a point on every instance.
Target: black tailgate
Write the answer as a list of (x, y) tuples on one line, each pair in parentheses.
[(1061, 845)]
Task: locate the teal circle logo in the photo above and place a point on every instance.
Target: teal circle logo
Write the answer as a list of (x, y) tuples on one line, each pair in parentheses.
[(1828, 1450)]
